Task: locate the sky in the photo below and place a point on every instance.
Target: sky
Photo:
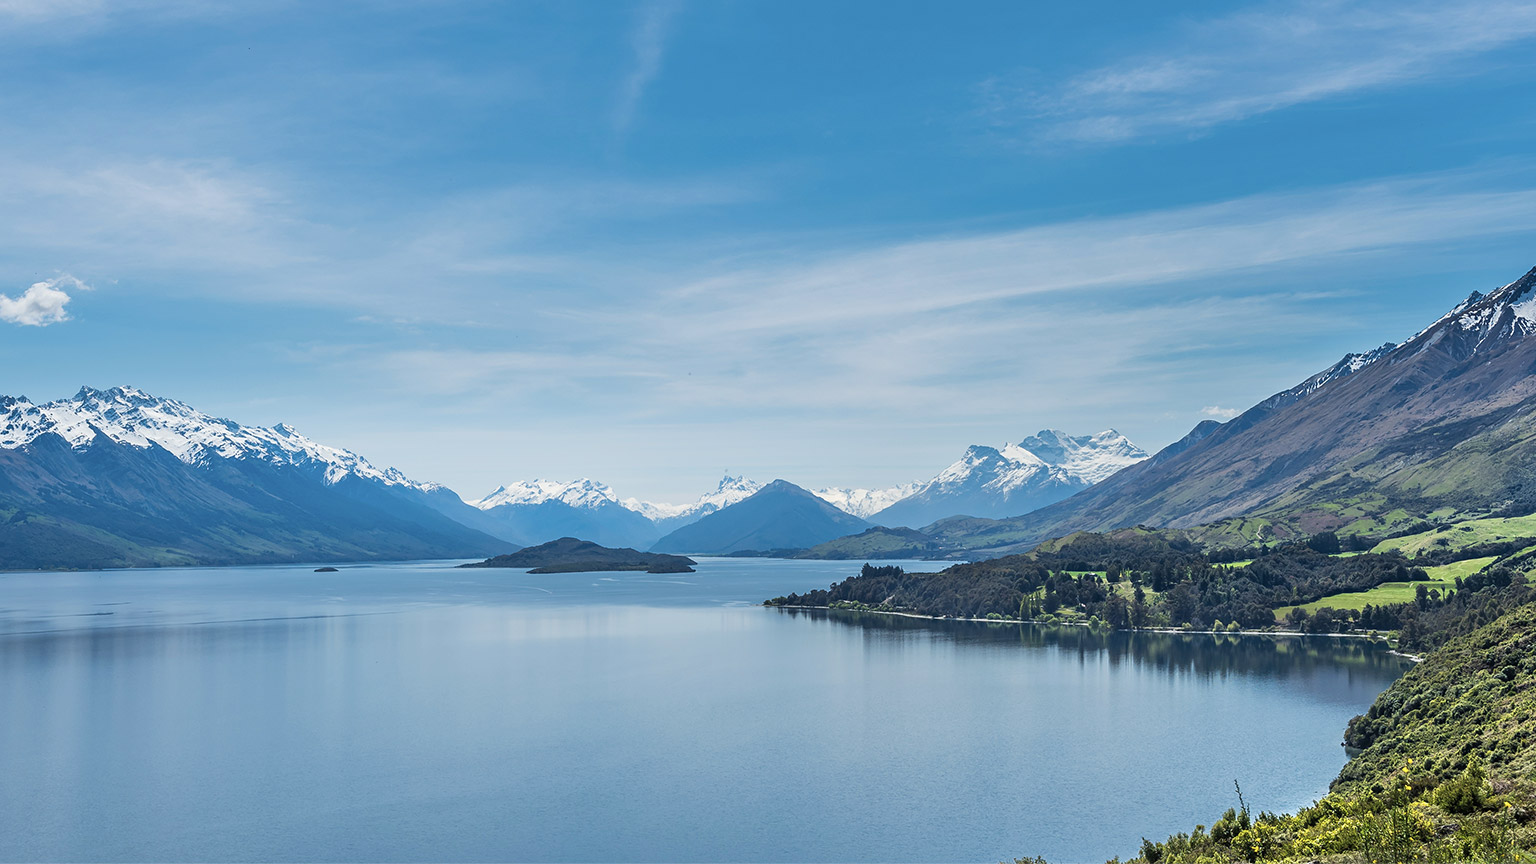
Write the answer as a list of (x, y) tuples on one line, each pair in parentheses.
[(653, 242)]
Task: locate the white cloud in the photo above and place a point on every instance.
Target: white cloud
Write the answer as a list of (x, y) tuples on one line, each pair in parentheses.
[(41, 304), (1220, 413), (649, 41), (1254, 62)]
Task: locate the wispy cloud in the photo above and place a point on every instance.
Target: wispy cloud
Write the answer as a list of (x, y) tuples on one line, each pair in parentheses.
[(1116, 317), (1220, 413), (1138, 251), (648, 40), (1262, 60), (41, 304)]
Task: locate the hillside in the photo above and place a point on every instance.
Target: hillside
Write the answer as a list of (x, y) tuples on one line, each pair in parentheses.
[(781, 515), (1444, 771), (877, 542)]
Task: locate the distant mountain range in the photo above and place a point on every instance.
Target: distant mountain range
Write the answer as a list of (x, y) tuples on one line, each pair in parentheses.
[(1039, 470), (115, 478), (1442, 426), (120, 477)]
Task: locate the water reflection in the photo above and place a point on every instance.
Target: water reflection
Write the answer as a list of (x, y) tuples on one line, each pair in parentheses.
[(1204, 655)]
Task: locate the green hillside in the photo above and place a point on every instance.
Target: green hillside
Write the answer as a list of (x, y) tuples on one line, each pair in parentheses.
[(1443, 773)]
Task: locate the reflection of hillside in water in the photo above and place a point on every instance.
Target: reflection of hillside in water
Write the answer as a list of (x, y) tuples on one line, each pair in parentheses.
[(1200, 654)]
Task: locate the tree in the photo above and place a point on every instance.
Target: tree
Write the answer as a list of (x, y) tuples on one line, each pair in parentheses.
[(1326, 543), (1139, 609), (1116, 612)]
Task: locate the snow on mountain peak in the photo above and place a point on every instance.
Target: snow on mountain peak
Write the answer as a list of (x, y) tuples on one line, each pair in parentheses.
[(728, 491), (590, 494), (582, 493), (1508, 312), (130, 416), (864, 503), (1089, 458), (1050, 455)]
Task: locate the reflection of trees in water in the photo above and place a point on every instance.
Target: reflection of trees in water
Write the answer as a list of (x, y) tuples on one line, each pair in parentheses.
[(1203, 654)]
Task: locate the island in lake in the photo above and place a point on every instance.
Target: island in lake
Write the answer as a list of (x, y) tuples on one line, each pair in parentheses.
[(570, 555)]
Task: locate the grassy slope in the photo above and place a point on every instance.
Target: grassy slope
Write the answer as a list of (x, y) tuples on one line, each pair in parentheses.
[(876, 543), (1462, 534), (1441, 578)]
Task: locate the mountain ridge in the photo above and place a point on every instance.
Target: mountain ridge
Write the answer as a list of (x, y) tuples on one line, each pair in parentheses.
[(1445, 419)]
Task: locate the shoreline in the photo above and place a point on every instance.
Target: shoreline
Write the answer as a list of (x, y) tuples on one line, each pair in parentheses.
[(1165, 630)]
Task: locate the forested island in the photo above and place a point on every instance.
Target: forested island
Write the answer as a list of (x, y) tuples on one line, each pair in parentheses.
[(1442, 767), (570, 555)]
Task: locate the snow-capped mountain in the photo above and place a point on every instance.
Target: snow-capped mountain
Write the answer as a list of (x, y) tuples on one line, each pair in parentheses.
[(865, 503), (996, 483), (1089, 458), (577, 493), (537, 511), (729, 491), (133, 417), (122, 478)]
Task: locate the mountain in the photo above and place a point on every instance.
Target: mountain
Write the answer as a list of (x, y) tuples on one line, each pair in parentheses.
[(987, 482), (780, 515), (119, 477), (1442, 426), (865, 503), (672, 516), (537, 511)]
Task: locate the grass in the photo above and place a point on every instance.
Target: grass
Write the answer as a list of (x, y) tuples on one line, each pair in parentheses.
[(1462, 534), (1442, 578)]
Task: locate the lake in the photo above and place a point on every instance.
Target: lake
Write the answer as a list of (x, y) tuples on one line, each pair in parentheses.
[(418, 712)]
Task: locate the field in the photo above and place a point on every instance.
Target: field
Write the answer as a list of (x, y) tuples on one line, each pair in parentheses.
[(1442, 578), (1462, 535)]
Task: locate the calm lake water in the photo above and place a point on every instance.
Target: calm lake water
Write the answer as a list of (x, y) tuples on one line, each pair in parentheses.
[(418, 712)]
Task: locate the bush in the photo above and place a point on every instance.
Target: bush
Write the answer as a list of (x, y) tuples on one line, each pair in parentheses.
[(1468, 793)]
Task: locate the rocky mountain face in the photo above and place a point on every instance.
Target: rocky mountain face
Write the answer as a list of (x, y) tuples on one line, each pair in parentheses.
[(1445, 420), (996, 483)]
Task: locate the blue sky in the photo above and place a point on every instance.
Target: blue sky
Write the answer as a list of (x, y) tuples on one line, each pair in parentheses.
[(650, 242)]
